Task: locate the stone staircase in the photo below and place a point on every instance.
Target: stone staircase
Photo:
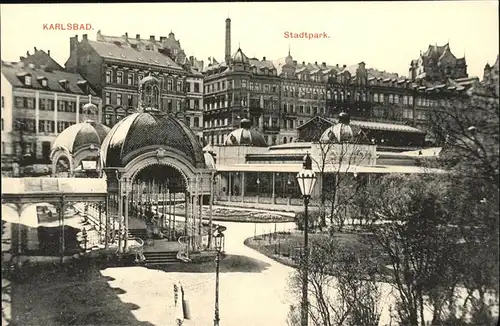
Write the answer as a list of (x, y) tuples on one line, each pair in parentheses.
[(160, 258), (138, 233)]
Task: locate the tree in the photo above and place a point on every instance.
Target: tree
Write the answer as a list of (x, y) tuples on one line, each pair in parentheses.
[(339, 149), (418, 242), (469, 129), (342, 287)]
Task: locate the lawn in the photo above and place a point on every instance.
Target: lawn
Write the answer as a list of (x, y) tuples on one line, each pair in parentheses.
[(285, 247), (69, 295)]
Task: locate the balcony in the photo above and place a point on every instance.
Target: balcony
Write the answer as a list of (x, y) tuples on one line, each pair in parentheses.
[(271, 129)]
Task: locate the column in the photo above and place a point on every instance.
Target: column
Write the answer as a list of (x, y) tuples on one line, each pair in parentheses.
[(37, 113), (243, 185), (120, 213), (126, 202), (55, 112), (273, 195), (229, 186), (61, 217), (77, 118), (186, 212), (210, 203), (106, 237)]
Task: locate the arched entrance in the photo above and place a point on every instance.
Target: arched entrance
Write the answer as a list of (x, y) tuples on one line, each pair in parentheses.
[(62, 166)]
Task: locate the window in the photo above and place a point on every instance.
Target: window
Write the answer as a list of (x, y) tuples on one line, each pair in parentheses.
[(44, 83), (119, 99), (196, 122), (244, 83), (391, 99), (50, 105), (27, 80), (141, 76), (71, 107), (60, 126), (2, 124), (188, 121), (119, 77), (42, 104), (129, 100), (108, 76), (130, 78), (30, 103), (108, 98), (396, 99), (178, 105), (196, 87), (179, 86), (381, 98), (410, 100), (405, 99), (375, 97), (169, 85), (169, 105)]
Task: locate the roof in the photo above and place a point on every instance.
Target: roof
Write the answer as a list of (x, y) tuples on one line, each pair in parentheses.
[(138, 131), (371, 125), (11, 71), (80, 135), (123, 53), (329, 168)]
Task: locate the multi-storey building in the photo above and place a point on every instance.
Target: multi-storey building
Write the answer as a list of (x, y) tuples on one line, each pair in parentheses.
[(114, 66), (37, 104), (438, 64), (279, 96)]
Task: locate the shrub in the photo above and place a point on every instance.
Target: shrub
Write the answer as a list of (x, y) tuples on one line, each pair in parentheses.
[(313, 217)]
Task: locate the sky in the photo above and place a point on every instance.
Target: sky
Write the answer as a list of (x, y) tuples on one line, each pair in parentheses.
[(384, 35)]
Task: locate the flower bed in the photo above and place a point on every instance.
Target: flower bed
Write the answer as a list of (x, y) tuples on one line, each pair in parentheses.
[(237, 215)]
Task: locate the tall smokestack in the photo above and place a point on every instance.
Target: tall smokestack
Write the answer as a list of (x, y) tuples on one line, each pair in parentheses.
[(228, 40)]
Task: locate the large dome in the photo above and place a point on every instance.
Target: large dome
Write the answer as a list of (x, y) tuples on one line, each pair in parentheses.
[(245, 136), (80, 135), (138, 131)]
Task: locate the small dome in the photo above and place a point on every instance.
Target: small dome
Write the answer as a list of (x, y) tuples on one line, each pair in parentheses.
[(342, 131), (240, 57), (139, 132), (80, 135), (245, 136), (89, 108)]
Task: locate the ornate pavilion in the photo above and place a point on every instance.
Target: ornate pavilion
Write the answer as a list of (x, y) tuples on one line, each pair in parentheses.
[(151, 162), (249, 172)]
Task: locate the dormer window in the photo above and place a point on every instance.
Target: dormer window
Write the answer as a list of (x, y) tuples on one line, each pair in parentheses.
[(43, 81), (27, 80), (84, 85), (64, 83)]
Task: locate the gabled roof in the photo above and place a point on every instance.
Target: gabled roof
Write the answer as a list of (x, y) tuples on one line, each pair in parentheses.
[(122, 53), (369, 125), (11, 71)]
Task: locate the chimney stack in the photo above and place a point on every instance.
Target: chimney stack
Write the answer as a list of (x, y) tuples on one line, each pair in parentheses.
[(35, 49), (228, 41), (48, 53), (337, 65), (303, 63), (323, 64), (126, 36), (85, 37), (264, 59), (138, 36), (315, 63), (152, 38), (163, 38), (73, 43), (27, 53), (344, 66)]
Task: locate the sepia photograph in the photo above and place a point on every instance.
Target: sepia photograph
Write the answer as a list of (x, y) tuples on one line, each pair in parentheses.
[(250, 163)]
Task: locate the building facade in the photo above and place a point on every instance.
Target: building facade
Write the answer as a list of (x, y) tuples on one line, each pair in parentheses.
[(279, 96), (115, 65), (37, 104)]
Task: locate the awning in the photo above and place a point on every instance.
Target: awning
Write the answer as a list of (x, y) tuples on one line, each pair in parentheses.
[(330, 168)]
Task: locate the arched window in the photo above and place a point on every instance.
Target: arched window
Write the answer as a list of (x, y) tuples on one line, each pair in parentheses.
[(284, 140)]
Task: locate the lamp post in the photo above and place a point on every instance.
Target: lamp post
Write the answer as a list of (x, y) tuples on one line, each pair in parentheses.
[(219, 238), (306, 179)]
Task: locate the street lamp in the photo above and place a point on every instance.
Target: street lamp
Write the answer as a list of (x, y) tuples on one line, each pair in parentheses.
[(306, 179), (219, 240)]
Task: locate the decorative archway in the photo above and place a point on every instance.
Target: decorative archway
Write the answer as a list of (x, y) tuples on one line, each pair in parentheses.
[(125, 191)]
